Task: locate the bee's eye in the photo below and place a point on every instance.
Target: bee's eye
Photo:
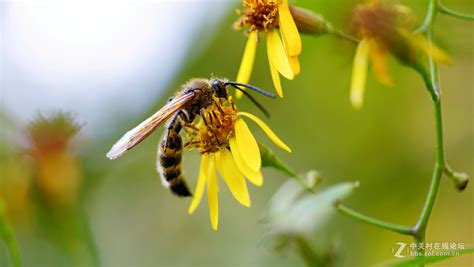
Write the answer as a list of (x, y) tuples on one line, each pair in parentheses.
[(219, 88), (215, 86)]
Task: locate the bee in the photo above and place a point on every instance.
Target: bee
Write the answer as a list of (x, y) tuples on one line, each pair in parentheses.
[(189, 103)]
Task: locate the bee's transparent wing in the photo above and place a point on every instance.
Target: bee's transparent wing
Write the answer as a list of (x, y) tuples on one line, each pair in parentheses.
[(144, 129)]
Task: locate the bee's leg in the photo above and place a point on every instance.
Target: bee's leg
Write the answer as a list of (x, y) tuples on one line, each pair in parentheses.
[(189, 126), (170, 152), (191, 143), (202, 114), (218, 106), (203, 117), (185, 116)]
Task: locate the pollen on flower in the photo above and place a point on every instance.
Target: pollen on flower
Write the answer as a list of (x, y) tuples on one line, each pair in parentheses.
[(258, 15), (213, 132)]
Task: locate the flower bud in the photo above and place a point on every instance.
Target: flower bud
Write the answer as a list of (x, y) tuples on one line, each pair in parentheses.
[(309, 22), (461, 180)]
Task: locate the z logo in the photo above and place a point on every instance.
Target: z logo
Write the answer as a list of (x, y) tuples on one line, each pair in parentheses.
[(398, 253)]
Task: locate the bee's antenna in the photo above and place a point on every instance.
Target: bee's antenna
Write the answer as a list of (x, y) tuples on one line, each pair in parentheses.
[(256, 89), (259, 106)]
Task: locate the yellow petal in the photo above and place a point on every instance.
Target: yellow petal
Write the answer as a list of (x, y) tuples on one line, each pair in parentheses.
[(439, 55), (378, 56), (255, 177), (275, 78), (201, 183), (295, 64), (212, 195), (359, 73), (248, 59), (248, 146), (233, 177), (277, 55), (267, 131), (288, 29)]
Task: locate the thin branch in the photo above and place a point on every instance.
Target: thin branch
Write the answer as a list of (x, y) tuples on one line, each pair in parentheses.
[(342, 35), (447, 11), (429, 18), (437, 173), (404, 230), (432, 84)]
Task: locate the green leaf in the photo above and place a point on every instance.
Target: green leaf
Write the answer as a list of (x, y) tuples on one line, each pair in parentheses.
[(293, 212)]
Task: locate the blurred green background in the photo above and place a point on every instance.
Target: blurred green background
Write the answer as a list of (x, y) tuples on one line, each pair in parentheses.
[(388, 146)]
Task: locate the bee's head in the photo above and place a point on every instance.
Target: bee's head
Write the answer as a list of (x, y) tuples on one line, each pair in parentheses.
[(218, 86)]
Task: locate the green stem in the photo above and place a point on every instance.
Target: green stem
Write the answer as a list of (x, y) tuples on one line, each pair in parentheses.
[(342, 35), (270, 159), (420, 227), (445, 10), (432, 84), (419, 249), (6, 233), (427, 78), (429, 18), (404, 230)]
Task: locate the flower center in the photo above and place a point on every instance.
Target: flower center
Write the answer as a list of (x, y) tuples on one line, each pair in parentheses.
[(212, 132), (258, 15)]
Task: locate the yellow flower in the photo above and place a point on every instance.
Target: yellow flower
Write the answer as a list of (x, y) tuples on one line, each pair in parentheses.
[(265, 16), (227, 146), (384, 29), (58, 173)]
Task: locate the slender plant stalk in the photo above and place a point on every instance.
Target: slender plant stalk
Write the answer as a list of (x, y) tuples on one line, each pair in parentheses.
[(404, 230), (420, 227), (445, 10), (342, 35), (6, 233), (432, 85), (429, 18)]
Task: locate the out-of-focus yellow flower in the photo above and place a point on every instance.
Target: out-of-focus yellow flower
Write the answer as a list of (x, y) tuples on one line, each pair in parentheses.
[(385, 28), (265, 16), (227, 146), (57, 171)]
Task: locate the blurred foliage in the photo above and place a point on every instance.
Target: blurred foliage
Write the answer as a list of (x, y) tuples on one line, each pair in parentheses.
[(299, 217), (40, 185)]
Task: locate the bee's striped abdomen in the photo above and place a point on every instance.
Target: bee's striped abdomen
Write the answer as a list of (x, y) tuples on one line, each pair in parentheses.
[(169, 160)]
